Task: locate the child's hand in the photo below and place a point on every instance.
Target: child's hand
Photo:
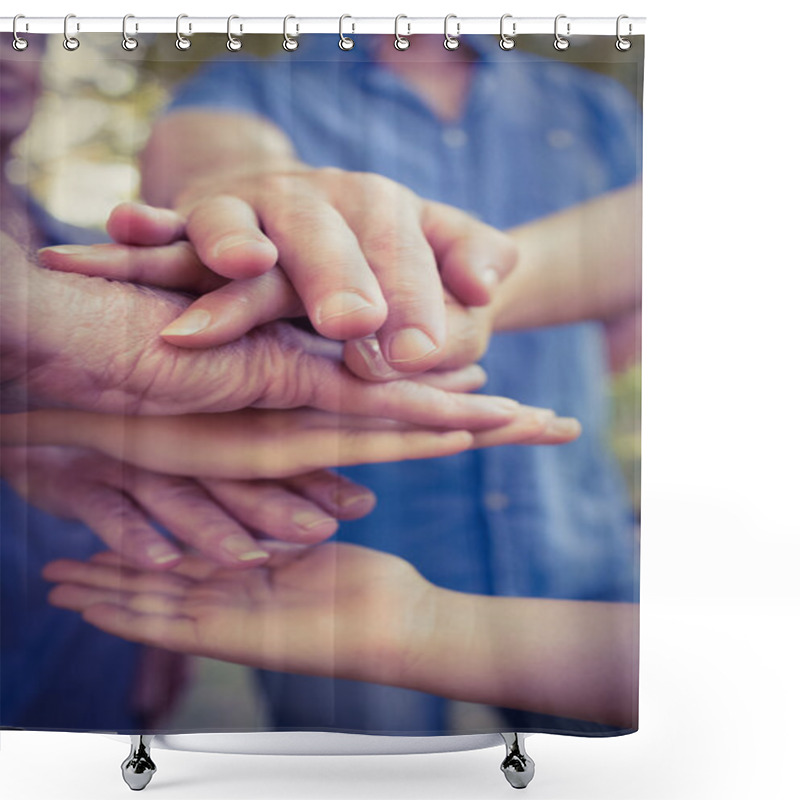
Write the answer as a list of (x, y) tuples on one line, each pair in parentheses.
[(337, 609), (223, 519), (252, 444)]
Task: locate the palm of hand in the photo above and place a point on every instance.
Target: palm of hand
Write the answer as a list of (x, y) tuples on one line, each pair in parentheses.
[(337, 609)]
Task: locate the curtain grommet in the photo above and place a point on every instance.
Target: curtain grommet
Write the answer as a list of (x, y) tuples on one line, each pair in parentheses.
[(181, 41), (70, 43), (560, 43), (290, 43), (451, 42), (507, 41), (19, 44), (622, 44)]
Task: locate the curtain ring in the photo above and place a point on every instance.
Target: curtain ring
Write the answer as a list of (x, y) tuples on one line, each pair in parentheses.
[(19, 43), (345, 42), (560, 42), (181, 42), (623, 44), (451, 42), (507, 42), (234, 43), (70, 42), (401, 42), (290, 43), (128, 42)]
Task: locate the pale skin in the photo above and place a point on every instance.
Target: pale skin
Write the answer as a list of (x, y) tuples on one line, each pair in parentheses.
[(350, 612), (251, 444)]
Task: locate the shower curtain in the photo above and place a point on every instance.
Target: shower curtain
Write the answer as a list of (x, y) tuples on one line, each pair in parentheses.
[(321, 360)]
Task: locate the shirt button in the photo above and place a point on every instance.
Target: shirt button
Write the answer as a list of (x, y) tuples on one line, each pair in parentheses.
[(496, 501), (454, 137)]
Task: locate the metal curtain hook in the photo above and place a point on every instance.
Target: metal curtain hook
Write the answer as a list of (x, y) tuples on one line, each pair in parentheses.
[(400, 42), (234, 43), (289, 42), (181, 42), (507, 42), (19, 43), (70, 42), (451, 42), (345, 42), (128, 42), (623, 44), (560, 42)]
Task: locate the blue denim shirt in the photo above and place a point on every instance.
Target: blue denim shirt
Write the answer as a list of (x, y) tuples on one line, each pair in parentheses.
[(56, 671), (536, 136)]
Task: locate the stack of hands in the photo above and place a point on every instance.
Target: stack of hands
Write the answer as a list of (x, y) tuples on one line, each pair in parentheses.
[(210, 383), (205, 371)]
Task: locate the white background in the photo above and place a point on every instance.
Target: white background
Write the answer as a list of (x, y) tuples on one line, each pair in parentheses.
[(720, 604)]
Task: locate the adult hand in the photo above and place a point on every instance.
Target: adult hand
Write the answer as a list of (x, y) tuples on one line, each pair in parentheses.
[(364, 254), (82, 342), (233, 523), (228, 309), (252, 444)]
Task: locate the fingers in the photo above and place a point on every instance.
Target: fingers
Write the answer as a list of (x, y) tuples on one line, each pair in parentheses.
[(171, 266), (313, 449), (229, 312), (228, 238), (105, 574), (143, 225), (338, 495), (184, 508), (473, 257), (407, 401), (123, 527), (531, 426), (387, 226), (322, 257), (273, 510), (468, 331), (192, 566)]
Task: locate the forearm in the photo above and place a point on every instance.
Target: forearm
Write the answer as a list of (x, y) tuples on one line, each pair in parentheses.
[(575, 659), (192, 148), (580, 264)]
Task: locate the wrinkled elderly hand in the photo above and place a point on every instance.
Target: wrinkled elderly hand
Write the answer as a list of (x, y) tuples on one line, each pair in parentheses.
[(150, 252), (234, 523), (85, 342)]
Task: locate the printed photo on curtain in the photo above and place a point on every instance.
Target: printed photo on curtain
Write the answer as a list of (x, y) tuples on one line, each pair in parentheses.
[(320, 384)]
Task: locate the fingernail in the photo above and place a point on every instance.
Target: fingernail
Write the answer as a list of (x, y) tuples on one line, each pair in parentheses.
[(242, 549), (563, 426), (193, 321), (341, 304), (410, 344), (238, 240), (489, 278), (309, 520), (349, 500), (489, 403), (66, 250), (370, 351), (162, 553)]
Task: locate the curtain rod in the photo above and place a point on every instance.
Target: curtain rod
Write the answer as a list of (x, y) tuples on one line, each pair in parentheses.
[(566, 25)]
